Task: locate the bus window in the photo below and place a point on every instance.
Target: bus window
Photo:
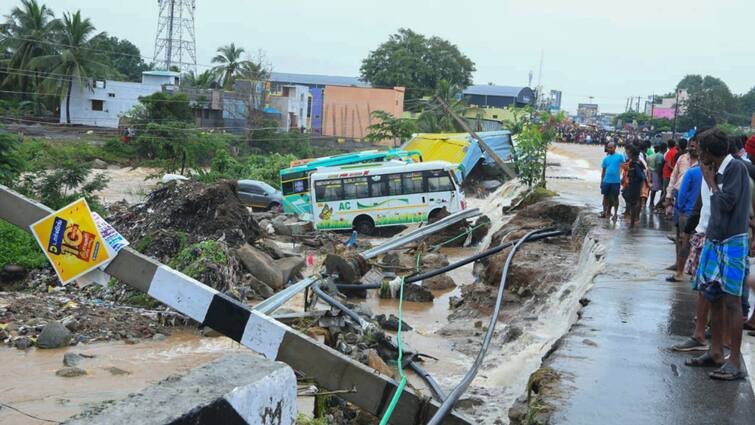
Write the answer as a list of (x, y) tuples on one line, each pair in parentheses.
[(356, 188), (412, 183), (438, 181), (378, 186), (295, 186), (328, 190), (394, 184)]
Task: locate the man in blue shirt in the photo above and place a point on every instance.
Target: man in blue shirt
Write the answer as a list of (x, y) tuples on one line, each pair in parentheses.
[(610, 180), (689, 191)]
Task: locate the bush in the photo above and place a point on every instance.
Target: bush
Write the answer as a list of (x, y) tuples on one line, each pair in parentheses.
[(61, 186), (19, 247), (11, 164)]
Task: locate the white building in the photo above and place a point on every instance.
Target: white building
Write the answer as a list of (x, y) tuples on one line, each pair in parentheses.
[(107, 100), (292, 103)]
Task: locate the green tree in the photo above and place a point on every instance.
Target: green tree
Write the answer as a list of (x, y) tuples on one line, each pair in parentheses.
[(75, 61), (229, 64), (411, 60), (199, 81), (710, 102), (389, 127), (70, 181), (25, 35), (746, 107), (10, 161), (163, 108), (122, 56), (434, 118)]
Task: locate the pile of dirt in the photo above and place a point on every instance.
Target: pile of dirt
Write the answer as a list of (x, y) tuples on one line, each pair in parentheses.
[(200, 211)]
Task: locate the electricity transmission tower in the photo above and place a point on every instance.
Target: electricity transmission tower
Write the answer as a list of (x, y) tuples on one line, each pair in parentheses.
[(175, 42)]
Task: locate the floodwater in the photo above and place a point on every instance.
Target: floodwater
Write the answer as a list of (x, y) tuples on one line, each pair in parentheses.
[(29, 382)]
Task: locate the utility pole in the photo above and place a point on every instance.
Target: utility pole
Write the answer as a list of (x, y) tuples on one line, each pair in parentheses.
[(652, 106), (638, 103), (484, 146), (676, 112)]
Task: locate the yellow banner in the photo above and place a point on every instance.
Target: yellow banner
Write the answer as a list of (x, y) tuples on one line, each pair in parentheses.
[(71, 241)]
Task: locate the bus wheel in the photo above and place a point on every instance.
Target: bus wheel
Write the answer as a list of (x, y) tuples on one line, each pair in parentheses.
[(364, 225), (437, 214)]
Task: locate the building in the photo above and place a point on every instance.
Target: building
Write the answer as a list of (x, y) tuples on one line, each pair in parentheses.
[(292, 101), (667, 107), (229, 110), (107, 100), (587, 112), (347, 111), (554, 100), (499, 96)]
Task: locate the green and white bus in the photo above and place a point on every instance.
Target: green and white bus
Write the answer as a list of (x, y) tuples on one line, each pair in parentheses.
[(295, 180), (367, 196)]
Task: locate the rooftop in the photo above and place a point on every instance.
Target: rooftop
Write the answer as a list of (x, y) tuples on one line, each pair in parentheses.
[(162, 73), (313, 79), (491, 90)]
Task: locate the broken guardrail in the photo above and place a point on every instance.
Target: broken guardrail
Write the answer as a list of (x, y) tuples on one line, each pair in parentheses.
[(253, 329)]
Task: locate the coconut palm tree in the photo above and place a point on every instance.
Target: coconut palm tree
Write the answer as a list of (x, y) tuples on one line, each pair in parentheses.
[(200, 81), (229, 64), (76, 60), (434, 118), (25, 35)]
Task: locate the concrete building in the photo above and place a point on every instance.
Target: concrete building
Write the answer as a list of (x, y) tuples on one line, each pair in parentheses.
[(346, 111), (554, 100), (587, 112), (292, 101), (667, 107), (107, 100), (489, 95)]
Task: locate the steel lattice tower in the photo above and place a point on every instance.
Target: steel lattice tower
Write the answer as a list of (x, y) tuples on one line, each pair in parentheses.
[(175, 42)]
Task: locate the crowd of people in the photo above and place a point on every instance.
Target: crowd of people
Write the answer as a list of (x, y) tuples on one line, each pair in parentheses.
[(592, 135), (705, 185)]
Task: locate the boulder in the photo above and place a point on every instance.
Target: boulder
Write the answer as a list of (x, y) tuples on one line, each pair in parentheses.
[(374, 361), (54, 335), (99, 164), (260, 287), (23, 342), (12, 273), (289, 267), (439, 282), (72, 359), (390, 323), (416, 293), (260, 265), (71, 372), (434, 261)]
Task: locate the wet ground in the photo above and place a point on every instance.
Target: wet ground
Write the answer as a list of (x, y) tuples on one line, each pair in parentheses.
[(615, 363)]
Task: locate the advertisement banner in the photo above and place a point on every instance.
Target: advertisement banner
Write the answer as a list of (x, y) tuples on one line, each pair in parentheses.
[(71, 241)]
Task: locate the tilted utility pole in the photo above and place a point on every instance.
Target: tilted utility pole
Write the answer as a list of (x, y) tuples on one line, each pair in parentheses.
[(484, 146)]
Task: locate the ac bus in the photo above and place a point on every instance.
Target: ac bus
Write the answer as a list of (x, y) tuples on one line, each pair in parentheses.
[(366, 196), (295, 180)]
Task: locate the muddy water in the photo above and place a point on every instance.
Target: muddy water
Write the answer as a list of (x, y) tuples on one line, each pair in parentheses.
[(131, 184), (29, 382)]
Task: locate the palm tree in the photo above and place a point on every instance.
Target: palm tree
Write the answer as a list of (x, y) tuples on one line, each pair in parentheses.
[(230, 64), (200, 81), (76, 60), (434, 119), (25, 35)]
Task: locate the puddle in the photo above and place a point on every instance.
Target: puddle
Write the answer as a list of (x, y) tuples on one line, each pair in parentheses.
[(29, 382)]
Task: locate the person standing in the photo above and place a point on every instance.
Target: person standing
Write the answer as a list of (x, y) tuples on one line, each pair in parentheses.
[(610, 181), (689, 192), (668, 165), (655, 170), (636, 178), (723, 261)]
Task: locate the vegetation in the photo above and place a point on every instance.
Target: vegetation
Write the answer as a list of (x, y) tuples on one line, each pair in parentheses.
[(644, 121), (390, 128), (59, 187), (419, 63), (711, 103), (532, 147), (10, 160), (19, 247), (121, 56)]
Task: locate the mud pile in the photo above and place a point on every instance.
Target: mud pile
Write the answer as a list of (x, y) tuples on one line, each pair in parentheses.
[(195, 210)]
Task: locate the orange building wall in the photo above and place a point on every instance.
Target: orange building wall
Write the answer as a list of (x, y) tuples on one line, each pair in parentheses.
[(347, 110)]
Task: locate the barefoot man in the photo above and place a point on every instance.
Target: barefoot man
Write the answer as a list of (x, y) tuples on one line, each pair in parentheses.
[(610, 180)]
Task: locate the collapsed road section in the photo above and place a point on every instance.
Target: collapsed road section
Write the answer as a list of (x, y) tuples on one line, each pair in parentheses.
[(329, 368)]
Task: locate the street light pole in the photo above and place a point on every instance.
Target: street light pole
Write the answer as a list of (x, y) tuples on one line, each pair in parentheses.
[(676, 112)]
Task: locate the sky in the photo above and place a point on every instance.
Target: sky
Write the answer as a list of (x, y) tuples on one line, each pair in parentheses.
[(604, 49)]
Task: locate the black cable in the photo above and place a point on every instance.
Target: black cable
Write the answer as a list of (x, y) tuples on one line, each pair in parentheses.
[(422, 276), (7, 406), (449, 402)]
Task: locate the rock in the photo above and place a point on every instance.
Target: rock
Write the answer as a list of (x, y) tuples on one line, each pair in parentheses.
[(12, 273), (159, 337), (351, 338), (439, 282), (390, 259), (434, 261), (99, 164), (260, 265), (117, 371), (289, 267), (374, 361), (391, 323), (260, 287), (469, 402), (417, 293), (512, 333), (271, 248), (23, 342), (589, 342), (518, 412), (362, 310), (71, 323), (72, 359), (71, 372), (54, 335)]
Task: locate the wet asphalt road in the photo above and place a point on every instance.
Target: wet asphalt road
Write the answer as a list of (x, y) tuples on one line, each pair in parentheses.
[(615, 363)]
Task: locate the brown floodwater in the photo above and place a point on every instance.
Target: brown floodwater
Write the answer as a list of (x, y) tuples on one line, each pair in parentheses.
[(28, 381)]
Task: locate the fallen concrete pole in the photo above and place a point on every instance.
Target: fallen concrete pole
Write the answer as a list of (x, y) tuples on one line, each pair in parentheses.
[(329, 368), (237, 389)]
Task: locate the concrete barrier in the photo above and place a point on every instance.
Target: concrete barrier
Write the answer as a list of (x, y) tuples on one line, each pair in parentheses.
[(237, 389)]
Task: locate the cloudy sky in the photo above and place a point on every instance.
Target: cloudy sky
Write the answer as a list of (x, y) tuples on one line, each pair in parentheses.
[(606, 49)]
